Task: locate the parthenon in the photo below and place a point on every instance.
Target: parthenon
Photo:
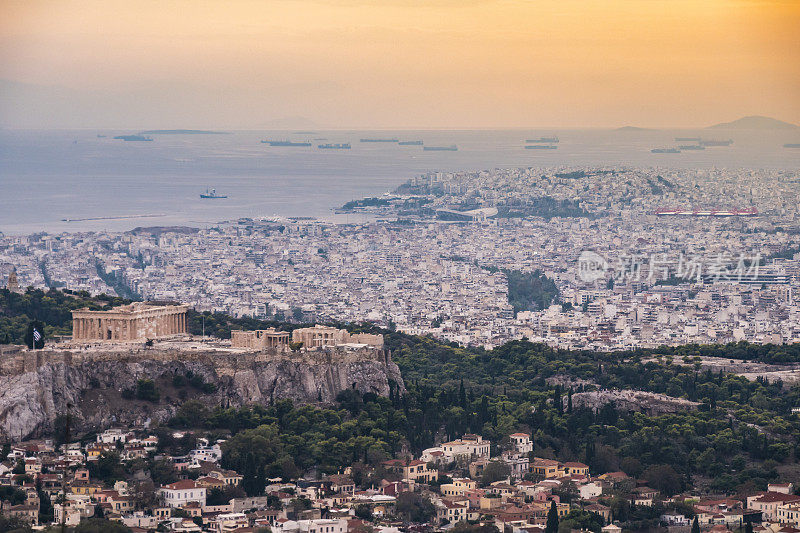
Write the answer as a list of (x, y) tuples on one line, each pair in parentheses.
[(138, 321)]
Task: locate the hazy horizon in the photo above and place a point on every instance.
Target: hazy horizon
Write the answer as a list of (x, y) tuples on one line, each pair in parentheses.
[(397, 65)]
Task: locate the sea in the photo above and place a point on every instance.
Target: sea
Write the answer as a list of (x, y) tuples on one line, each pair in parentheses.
[(76, 181)]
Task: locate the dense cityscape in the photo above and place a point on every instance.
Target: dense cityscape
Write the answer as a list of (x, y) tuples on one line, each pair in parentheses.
[(346, 266), (447, 253)]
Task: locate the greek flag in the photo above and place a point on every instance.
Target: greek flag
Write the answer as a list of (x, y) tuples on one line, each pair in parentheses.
[(36, 335)]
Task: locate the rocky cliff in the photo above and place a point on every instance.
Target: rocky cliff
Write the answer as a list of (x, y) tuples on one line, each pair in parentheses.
[(91, 384)]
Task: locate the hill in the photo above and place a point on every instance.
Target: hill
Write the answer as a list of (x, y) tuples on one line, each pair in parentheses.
[(755, 122), (645, 412), (634, 128)]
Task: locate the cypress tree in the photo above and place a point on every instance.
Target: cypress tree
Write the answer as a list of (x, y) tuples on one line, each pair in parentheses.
[(552, 519), (695, 526)]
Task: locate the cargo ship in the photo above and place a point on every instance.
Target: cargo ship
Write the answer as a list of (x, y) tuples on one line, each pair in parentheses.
[(540, 147), (714, 142), (335, 146), (688, 139), (211, 194), (451, 148), (287, 143), (379, 140), (410, 143), (665, 151), (691, 147), (543, 140), (133, 138)]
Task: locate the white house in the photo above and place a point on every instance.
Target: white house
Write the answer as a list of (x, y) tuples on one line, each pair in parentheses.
[(590, 490), (311, 526), (522, 442), (467, 446), (675, 519), (113, 436), (231, 522), (182, 492)]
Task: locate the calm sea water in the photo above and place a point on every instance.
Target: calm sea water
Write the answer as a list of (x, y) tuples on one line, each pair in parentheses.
[(48, 176)]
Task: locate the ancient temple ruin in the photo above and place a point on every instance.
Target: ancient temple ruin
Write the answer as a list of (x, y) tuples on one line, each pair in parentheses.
[(138, 321)]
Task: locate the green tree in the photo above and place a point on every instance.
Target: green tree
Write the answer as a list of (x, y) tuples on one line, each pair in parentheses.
[(578, 519), (664, 478), (495, 471), (146, 390), (414, 507), (552, 519), (98, 525), (465, 527), (364, 511)]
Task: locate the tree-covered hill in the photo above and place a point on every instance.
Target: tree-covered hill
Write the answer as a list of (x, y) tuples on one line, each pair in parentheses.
[(741, 436)]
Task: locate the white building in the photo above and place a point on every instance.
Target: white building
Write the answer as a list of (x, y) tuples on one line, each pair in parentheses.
[(113, 436), (311, 526), (522, 442), (467, 446), (230, 522), (182, 492)]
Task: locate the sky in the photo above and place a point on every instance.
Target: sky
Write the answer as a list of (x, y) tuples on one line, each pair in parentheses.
[(396, 64)]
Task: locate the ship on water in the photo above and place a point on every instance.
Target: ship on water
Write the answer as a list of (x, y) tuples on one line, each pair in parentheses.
[(287, 143), (548, 140), (380, 140), (451, 148), (540, 147), (665, 151), (334, 146), (410, 143), (688, 139), (212, 194), (133, 138), (715, 142), (691, 147)]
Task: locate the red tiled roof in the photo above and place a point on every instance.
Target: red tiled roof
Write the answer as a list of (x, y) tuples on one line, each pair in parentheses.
[(182, 485)]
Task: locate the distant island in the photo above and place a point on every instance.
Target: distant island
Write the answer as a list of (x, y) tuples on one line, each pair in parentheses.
[(133, 138), (183, 132), (633, 128), (755, 122)]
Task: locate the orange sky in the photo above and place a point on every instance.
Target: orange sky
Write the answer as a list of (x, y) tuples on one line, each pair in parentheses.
[(397, 63)]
